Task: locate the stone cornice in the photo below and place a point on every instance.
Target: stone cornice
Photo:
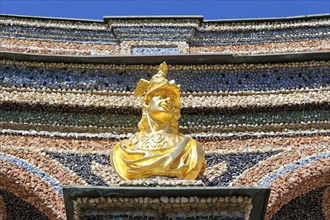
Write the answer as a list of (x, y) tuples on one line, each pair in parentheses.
[(216, 58)]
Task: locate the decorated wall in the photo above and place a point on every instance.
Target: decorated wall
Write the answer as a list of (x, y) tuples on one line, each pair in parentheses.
[(254, 92)]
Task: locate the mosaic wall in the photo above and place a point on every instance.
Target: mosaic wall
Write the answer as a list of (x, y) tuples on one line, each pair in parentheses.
[(168, 207), (307, 206), (260, 124), (13, 207), (142, 36)]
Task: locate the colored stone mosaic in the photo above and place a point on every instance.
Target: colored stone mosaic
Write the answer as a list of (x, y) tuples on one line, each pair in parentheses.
[(16, 208), (3, 208), (49, 47), (266, 48), (163, 208), (298, 182), (224, 102), (70, 35), (189, 122), (261, 123), (236, 164), (81, 164), (160, 181), (192, 78), (81, 160), (307, 206), (325, 203), (154, 50), (30, 188), (202, 36)]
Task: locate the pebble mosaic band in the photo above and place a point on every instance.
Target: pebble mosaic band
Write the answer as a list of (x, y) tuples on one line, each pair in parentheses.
[(271, 177), (32, 170), (165, 207), (31, 189)]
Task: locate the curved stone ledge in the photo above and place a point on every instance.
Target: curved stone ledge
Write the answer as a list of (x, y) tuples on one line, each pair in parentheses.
[(170, 59)]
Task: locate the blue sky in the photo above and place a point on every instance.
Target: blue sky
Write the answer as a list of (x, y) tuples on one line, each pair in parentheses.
[(214, 9)]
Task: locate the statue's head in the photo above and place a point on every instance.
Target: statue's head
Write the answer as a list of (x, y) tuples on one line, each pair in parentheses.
[(161, 99)]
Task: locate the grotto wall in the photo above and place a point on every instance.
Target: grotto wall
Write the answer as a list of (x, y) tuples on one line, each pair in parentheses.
[(262, 117)]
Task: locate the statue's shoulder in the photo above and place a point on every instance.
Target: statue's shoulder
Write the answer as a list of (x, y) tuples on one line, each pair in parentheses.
[(191, 140), (133, 140)]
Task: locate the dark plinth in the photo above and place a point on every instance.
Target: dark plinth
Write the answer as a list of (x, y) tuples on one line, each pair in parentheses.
[(163, 202)]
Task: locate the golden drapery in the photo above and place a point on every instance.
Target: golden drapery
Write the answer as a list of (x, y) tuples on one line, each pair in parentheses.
[(145, 155)]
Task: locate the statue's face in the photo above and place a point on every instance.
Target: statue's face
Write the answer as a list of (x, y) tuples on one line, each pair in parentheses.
[(161, 106)]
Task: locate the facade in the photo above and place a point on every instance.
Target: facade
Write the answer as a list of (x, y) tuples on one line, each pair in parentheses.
[(254, 92)]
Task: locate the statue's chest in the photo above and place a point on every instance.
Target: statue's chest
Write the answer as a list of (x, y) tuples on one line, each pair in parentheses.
[(156, 141)]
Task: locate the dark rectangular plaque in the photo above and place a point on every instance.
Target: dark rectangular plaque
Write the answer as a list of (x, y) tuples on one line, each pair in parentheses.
[(165, 202)]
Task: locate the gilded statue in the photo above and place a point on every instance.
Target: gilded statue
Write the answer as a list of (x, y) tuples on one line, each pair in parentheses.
[(158, 149)]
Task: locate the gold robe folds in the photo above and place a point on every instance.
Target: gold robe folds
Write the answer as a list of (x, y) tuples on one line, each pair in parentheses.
[(161, 154)]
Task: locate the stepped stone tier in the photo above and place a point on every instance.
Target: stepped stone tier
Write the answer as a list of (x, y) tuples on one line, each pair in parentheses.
[(254, 92)]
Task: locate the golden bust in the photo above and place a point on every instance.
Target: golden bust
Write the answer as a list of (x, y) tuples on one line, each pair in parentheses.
[(158, 149)]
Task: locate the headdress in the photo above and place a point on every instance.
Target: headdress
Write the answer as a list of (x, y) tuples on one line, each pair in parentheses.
[(158, 82)]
